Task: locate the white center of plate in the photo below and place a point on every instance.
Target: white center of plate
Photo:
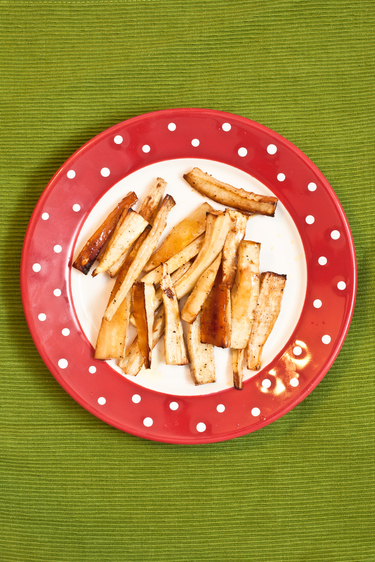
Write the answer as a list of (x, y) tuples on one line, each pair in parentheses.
[(281, 251)]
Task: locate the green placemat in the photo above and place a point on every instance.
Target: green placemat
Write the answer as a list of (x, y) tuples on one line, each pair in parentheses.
[(73, 488)]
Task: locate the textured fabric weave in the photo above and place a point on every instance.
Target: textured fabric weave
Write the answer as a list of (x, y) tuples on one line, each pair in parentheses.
[(73, 488)]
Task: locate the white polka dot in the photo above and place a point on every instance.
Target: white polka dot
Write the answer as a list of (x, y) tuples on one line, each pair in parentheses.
[(335, 234), (173, 405), (147, 422), (146, 148), (65, 331), (220, 408), (195, 142), (201, 427), (57, 292), (255, 412), (317, 303), (102, 400), (322, 260), (294, 382), (105, 172), (271, 149), (136, 398), (92, 369), (281, 177), (57, 249), (297, 350), (172, 126), (37, 267), (242, 151), (311, 186), (310, 219), (266, 383), (341, 285), (62, 363), (326, 339), (226, 127), (45, 216), (42, 317), (118, 139), (76, 208), (71, 174)]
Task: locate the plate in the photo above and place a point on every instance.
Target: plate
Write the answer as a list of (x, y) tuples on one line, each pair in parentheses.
[(309, 239)]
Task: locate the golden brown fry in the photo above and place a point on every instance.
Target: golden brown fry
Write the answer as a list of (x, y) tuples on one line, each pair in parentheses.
[(91, 249), (174, 343), (180, 236), (266, 313), (128, 229), (143, 312), (238, 356), (216, 315), (235, 235), (245, 292), (201, 355), (143, 254), (202, 288), (230, 196), (175, 261)]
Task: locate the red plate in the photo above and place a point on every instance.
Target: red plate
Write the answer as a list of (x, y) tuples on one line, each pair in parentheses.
[(300, 357)]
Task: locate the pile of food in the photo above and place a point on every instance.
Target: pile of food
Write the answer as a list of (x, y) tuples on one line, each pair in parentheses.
[(205, 258)]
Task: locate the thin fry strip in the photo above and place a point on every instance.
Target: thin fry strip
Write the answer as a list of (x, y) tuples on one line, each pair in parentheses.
[(143, 254), (238, 356), (110, 343), (202, 288), (174, 343), (201, 355), (266, 313), (180, 236), (142, 322), (216, 315), (245, 292), (230, 196), (95, 243), (235, 235)]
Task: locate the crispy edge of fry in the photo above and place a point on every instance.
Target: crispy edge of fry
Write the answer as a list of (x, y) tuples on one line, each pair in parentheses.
[(200, 292), (180, 236), (245, 293), (201, 355), (127, 231), (143, 254), (238, 356), (216, 318), (266, 313), (176, 261), (230, 196), (174, 343), (235, 235), (95, 243)]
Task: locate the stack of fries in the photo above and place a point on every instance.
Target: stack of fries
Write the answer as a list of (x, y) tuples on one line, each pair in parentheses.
[(206, 259)]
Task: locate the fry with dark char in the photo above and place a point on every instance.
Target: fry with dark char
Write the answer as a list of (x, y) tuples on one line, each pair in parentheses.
[(216, 314), (201, 355), (236, 233), (91, 249), (266, 313), (174, 343), (230, 196), (143, 312)]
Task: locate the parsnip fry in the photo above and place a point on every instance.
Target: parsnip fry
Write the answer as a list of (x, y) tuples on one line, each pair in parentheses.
[(143, 254), (129, 228), (238, 356), (266, 313), (143, 312), (201, 355), (235, 235), (174, 343), (217, 228), (216, 315), (245, 292), (175, 261), (129, 256), (200, 292), (111, 339), (91, 249), (230, 196), (180, 236)]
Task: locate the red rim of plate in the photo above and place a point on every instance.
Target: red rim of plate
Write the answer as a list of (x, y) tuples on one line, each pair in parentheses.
[(166, 135)]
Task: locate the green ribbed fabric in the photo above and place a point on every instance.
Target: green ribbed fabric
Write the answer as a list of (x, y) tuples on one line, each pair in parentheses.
[(73, 488)]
